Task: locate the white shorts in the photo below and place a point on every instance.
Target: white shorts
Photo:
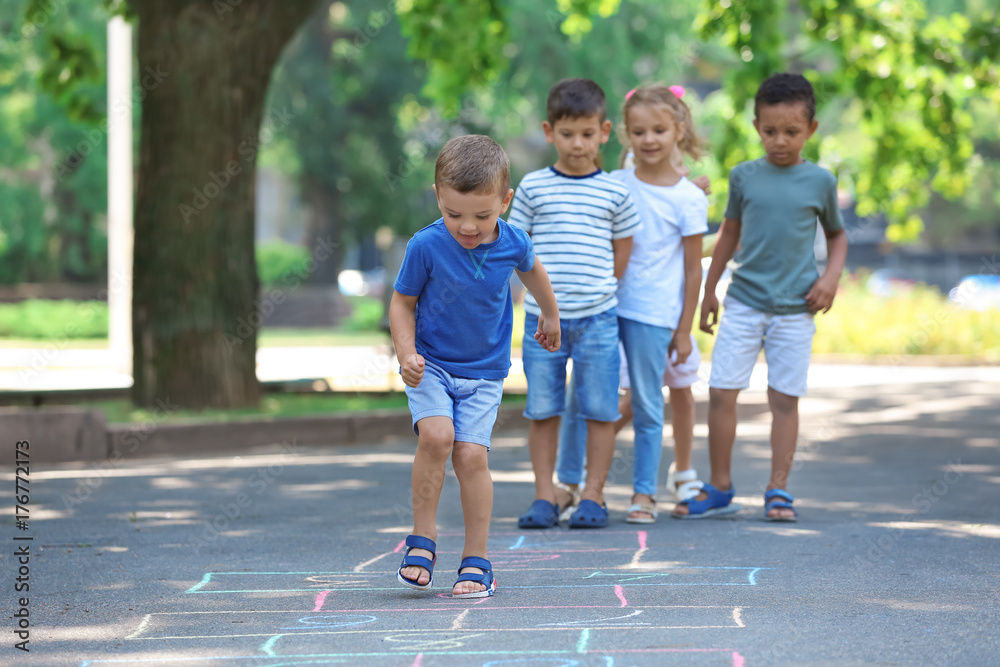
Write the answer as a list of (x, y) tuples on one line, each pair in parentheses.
[(680, 376), (743, 331)]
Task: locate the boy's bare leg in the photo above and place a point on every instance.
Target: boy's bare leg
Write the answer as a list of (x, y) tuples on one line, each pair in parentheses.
[(543, 445), (600, 453), (625, 408), (682, 414), (784, 437), (476, 484), (434, 446), (721, 435)]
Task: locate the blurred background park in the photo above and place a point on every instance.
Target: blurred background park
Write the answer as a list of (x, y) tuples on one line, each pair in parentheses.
[(282, 156)]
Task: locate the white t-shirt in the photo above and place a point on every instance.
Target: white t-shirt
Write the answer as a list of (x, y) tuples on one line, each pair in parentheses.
[(652, 289)]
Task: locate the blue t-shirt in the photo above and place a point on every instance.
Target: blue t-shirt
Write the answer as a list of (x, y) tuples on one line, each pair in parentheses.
[(464, 310), (778, 208)]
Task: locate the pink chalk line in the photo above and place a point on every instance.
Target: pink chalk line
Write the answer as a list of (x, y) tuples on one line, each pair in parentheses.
[(320, 599), (737, 659), (419, 661), (621, 595), (642, 539), (399, 547)]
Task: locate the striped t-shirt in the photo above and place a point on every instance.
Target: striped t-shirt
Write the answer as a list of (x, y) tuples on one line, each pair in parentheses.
[(572, 221)]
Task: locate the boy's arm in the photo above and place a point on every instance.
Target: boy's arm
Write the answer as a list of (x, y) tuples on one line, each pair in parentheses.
[(692, 285), (820, 296), (537, 282), (403, 325), (725, 245), (623, 250)]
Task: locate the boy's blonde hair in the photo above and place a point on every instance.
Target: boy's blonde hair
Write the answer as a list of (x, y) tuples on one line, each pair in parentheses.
[(660, 95), (473, 163)]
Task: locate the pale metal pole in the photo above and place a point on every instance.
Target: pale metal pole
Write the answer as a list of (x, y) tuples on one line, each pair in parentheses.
[(120, 189)]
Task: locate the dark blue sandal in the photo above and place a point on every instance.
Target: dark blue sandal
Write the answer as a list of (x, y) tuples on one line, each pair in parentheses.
[(717, 503), (785, 503), (589, 515), (417, 542), (541, 514), (486, 578)]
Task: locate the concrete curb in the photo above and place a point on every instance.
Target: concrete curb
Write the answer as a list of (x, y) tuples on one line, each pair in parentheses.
[(76, 434)]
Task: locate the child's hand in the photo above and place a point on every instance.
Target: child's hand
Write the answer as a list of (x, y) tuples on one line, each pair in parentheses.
[(709, 310), (681, 346), (703, 182), (412, 370), (820, 297), (548, 334)]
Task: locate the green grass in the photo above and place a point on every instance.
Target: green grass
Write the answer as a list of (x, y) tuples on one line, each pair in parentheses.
[(84, 325), (271, 405)]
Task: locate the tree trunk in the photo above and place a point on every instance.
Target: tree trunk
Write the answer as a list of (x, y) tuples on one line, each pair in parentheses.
[(204, 68)]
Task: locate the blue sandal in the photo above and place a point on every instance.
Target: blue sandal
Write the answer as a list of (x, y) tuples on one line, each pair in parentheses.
[(589, 515), (785, 503), (717, 503), (541, 514), (486, 578), (417, 542)]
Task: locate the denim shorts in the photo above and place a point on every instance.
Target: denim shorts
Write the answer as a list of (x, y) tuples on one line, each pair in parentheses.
[(592, 344), (471, 405)]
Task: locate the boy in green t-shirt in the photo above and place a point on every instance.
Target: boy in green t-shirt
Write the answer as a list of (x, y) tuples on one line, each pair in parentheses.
[(774, 203)]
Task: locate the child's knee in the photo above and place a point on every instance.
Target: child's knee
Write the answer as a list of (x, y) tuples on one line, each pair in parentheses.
[(722, 398), (436, 436), (782, 403), (469, 458), (682, 396)]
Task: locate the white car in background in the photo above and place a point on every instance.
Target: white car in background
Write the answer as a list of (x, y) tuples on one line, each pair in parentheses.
[(978, 291)]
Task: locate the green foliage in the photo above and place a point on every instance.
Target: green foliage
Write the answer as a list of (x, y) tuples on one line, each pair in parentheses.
[(366, 313), (278, 260), (54, 320), (54, 186), (903, 81), (918, 320)]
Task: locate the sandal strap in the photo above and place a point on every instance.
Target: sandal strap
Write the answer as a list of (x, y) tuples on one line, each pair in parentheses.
[(417, 561), (779, 493), (689, 489), (689, 475), (475, 561), (419, 542), (648, 508)]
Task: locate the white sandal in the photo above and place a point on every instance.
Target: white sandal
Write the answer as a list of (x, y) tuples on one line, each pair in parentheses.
[(648, 508), (691, 486), (574, 501)]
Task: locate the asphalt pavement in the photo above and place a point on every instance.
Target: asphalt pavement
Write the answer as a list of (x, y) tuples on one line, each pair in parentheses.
[(285, 555)]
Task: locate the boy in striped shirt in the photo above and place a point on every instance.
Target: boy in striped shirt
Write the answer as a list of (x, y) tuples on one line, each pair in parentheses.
[(581, 223)]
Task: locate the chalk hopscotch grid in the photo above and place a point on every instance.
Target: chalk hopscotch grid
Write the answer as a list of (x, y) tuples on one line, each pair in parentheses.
[(425, 637)]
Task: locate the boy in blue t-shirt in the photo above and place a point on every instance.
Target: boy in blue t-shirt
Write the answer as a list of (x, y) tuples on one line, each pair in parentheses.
[(774, 203), (451, 318), (581, 221)]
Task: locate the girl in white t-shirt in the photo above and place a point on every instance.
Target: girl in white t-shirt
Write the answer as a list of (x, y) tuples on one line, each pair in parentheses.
[(657, 297)]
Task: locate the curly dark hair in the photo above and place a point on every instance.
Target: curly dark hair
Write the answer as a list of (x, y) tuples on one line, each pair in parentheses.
[(786, 87)]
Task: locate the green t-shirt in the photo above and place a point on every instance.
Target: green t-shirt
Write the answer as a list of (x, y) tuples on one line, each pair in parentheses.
[(778, 208)]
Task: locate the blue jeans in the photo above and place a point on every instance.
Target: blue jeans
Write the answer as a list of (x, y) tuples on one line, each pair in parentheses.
[(646, 350), (592, 344)]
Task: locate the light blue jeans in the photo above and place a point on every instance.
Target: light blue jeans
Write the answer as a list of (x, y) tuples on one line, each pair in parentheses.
[(646, 351)]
